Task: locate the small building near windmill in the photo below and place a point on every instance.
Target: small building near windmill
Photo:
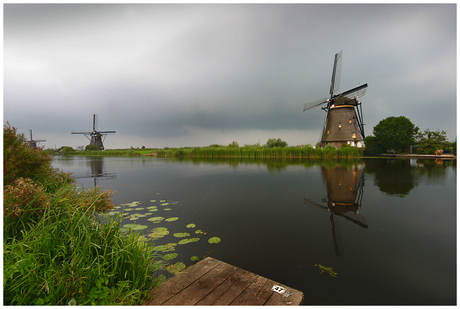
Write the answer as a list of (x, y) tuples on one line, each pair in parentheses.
[(342, 125)]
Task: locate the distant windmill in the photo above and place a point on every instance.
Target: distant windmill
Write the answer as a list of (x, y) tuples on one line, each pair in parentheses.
[(344, 121), (33, 143), (95, 136)]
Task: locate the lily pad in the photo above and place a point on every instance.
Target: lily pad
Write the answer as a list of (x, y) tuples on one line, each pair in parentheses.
[(199, 232), (194, 258), (187, 241), (153, 201), (180, 235), (191, 225), (139, 208), (156, 219), (113, 213), (135, 227), (176, 268), (170, 256), (159, 232), (132, 204), (164, 204), (167, 209), (162, 201), (165, 248), (214, 240), (152, 207), (172, 219)]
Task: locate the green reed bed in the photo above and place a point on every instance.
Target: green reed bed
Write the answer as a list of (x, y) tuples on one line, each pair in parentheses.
[(277, 152), (69, 256)]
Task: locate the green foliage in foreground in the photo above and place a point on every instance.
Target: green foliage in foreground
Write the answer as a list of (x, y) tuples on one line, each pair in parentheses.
[(56, 250), (68, 256)]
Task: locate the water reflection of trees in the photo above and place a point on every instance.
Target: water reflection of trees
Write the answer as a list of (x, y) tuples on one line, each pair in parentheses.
[(398, 177), (343, 182)]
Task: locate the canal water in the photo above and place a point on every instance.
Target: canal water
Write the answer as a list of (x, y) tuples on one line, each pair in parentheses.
[(373, 231)]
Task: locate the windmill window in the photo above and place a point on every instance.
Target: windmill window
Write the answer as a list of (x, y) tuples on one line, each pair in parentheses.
[(327, 131), (354, 135), (349, 121), (340, 125)]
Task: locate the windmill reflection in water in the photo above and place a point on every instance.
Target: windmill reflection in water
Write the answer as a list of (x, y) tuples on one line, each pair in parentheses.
[(96, 171), (344, 189)]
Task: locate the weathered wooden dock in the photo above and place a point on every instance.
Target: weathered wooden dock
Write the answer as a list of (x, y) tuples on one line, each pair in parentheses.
[(213, 282)]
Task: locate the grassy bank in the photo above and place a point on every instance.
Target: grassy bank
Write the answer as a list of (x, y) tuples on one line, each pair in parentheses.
[(241, 152), (57, 248)]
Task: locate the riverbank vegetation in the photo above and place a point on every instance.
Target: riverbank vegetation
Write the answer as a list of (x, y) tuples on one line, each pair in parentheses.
[(57, 248), (232, 150)]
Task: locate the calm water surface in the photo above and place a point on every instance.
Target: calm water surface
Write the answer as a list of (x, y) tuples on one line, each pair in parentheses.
[(386, 227)]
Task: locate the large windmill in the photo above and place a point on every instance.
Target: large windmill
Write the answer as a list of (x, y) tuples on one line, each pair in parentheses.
[(344, 114), (33, 143), (95, 136)]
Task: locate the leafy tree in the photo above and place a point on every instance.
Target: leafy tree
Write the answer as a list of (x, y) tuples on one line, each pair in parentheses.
[(233, 144), (273, 142), (429, 141), (394, 133), (372, 146)]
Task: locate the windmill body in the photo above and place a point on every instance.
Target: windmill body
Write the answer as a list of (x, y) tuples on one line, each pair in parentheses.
[(95, 136), (33, 143), (344, 121)]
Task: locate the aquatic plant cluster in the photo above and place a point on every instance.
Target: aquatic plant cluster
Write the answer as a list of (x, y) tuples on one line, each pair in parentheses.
[(56, 249), (156, 210)]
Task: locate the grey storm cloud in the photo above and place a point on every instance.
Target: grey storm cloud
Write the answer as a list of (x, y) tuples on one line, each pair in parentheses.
[(175, 74)]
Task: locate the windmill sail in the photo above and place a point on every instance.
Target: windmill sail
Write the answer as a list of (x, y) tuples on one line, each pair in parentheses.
[(336, 72)]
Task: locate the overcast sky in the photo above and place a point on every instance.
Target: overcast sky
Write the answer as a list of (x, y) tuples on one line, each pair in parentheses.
[(172, 75)]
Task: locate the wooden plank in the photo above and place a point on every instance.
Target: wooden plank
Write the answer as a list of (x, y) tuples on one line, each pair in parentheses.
[(175, 284), (213, 282), (222, 288), (245, 279), (203, 286), (254, 294)]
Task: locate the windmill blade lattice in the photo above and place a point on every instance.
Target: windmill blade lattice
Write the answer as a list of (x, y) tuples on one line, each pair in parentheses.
[(336, 74), (314, 104)]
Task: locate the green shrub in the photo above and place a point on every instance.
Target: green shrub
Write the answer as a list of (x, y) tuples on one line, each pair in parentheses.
[(273, 142), (91, 147)]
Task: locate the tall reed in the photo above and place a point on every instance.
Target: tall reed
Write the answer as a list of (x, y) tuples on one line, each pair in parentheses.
[(69, 256)]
